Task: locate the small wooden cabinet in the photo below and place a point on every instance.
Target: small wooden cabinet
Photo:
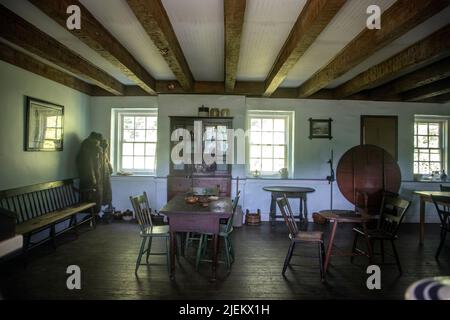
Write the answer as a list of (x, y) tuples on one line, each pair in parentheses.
[(214, 136)]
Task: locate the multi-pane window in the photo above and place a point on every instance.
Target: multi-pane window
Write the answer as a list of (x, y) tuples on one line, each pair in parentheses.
[(428, 146), (268, 142), (53, 131), (216, 142), (137, 138)]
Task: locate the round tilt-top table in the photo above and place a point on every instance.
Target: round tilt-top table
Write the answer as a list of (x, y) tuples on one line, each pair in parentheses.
[(290, 192)]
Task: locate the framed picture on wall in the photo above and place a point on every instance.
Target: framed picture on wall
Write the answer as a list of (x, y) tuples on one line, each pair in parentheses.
[(44, 126), (320, 128)]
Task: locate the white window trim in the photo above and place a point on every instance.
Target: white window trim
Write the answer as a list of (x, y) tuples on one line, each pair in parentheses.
[(445, 136), (271, 114), (116, 115)]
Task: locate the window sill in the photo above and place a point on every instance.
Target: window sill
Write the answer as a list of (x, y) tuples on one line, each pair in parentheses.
[(268, 178), (134, 175), (432, 181)]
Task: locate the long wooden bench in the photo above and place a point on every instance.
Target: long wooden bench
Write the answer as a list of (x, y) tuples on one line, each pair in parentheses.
[(43, 206)]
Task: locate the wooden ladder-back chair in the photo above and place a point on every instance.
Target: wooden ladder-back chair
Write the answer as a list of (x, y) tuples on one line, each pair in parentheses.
[(224, 233), (392, 212), (193, 236), (297, 236), (148, 230), (442, 205)]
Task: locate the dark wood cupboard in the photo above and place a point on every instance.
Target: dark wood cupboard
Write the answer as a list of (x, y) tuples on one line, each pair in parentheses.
[(209, 168)]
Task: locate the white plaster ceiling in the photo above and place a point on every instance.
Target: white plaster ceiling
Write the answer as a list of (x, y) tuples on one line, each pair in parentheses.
[(198, 25), (117, 17), (343, 28), (416, 34), (36, 17), (20, 49), (267, 25)]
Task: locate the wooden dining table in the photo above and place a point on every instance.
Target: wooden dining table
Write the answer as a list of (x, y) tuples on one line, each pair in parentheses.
[(425, 196), (185, 217)]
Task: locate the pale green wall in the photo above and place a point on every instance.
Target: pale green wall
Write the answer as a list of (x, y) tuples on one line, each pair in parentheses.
[(20, 168)]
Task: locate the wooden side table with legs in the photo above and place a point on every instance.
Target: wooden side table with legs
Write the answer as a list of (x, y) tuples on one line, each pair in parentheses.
[(345, 216)]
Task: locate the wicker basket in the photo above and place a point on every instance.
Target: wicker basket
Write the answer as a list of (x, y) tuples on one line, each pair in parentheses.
[(253, 219)]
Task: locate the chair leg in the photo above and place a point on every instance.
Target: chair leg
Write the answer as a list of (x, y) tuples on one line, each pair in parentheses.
[(321, 255), (355, 242), (441, 244), (288, 257), (396, 256), (227, 252), (382, 250), (149, 248), (179, 252), (231, 250), (141, 251), (167, 240), (186, 242), (199, 251), (205, 244)]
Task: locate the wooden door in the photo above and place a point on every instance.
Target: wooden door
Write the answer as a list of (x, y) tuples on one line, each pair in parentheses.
[(381, 131)]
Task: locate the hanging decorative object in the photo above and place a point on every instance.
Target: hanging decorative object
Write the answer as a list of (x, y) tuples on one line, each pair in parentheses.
[(320, 128)]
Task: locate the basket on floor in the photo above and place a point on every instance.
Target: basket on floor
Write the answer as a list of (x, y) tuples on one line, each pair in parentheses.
[(253, 219)]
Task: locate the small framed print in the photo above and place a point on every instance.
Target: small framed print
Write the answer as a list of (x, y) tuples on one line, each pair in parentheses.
[(320, 128), (44, 126)]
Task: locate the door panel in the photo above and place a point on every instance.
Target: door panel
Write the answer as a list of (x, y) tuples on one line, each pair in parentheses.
[(380, 131)]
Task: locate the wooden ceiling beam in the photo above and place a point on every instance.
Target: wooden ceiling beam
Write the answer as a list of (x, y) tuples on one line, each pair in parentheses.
[(246, 88), (444, 98), (153, 18), (401, 17), (27, 62), (428, 91), (313, 19), (234, 11), (430, 49), (99, 39), (23, 34), (429, 74)]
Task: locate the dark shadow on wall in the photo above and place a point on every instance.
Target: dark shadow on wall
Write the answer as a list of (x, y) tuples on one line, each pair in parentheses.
[(72, 143)]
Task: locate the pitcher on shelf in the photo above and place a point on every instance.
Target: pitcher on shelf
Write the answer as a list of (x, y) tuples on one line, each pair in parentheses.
[(284, 173)]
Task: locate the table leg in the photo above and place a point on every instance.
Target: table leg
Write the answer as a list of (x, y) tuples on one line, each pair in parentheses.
[(422, 220), (305, 208), (330, 246), (369, 245), (273, 209), (300, 214), (215, 253), (172, 255)]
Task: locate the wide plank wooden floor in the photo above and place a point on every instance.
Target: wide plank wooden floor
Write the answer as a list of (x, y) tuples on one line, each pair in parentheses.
[(107, 258)]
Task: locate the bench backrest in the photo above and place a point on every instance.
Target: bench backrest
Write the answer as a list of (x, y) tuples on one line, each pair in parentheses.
[(36, 200)]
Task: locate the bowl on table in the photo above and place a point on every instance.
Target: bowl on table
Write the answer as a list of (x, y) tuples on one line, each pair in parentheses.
[(191, 199)]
